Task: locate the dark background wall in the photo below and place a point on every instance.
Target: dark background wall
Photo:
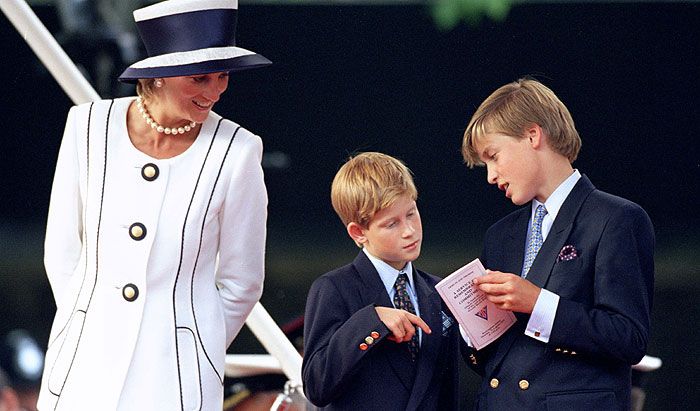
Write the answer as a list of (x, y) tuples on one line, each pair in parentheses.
[(349, 79)]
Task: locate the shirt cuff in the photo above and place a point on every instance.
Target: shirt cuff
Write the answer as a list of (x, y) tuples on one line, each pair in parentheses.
[(464, 336), (541, 320)]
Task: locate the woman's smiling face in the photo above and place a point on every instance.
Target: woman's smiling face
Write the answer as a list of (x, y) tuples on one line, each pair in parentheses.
[(191, 98)]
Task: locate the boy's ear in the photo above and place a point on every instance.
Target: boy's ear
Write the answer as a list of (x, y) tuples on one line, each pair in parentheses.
[(535, 135), (356, 232)]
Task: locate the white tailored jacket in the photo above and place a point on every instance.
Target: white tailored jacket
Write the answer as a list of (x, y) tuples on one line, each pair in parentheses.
[(154, 264)]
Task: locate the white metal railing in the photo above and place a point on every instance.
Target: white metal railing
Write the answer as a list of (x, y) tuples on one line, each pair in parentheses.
[(49, 51), (80, 91)]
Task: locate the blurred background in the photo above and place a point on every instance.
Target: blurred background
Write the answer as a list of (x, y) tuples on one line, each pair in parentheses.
[(401, 77)]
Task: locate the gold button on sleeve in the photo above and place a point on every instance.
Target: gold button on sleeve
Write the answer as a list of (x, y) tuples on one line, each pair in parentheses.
[(523, 384), (369, 340), (494, 383)]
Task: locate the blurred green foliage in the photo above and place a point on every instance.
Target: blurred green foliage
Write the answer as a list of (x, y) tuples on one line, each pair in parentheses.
[(449, 13)]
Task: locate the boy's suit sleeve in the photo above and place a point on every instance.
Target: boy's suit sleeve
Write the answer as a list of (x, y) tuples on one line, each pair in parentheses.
[(617, 323), (336, 340)]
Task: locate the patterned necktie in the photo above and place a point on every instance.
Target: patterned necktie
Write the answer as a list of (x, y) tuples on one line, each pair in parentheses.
[(403, 302), (536, 239)]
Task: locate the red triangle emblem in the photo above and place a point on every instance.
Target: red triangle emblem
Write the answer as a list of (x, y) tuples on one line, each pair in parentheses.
[(483, 313)]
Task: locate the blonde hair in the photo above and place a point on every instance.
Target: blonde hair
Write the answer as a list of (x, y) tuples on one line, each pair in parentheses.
[(367, 184), (514, 107), (146, 87)]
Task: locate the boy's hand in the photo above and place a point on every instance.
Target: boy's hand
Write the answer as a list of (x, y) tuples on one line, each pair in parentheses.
[(508, 291), (402, 324)]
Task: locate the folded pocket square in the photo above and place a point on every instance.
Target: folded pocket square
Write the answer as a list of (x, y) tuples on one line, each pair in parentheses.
[(567, 253)]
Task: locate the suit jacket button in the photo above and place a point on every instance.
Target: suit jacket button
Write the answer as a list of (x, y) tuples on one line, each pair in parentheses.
[(130, 292), (149, 172), (369, 340), (523, 384), (374, 334), (137, 231), (364, 347), (494, 383)]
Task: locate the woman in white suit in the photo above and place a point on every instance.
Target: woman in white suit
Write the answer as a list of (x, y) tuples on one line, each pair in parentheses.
[(156, 229)]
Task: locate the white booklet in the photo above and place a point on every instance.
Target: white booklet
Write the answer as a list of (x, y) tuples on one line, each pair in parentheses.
[(482, 321)]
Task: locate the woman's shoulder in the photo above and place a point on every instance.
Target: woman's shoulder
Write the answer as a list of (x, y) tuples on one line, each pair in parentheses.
[(101, 105), (242, 136)]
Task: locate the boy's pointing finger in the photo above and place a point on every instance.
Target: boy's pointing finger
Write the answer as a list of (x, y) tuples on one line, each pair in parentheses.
[(417, 321)]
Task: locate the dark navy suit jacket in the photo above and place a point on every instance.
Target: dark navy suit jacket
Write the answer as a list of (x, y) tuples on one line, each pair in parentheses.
[(601, 326), (339, 375)]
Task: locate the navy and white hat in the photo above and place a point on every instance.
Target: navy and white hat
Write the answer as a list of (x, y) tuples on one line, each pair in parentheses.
[(189, 37)]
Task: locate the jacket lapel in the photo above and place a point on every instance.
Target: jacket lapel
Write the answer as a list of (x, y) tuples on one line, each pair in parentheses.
[(544, 262), (430, 308), (516, 243), (373, 292)]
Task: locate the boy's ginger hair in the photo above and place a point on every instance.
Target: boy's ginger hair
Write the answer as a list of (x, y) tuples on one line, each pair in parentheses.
[(512, 108), (368, 183)]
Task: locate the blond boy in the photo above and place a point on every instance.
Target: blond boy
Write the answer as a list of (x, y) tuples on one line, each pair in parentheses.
[(373, 329), (575, 264)]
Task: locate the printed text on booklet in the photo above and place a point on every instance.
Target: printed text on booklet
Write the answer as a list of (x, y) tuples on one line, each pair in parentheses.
[(482, 321)]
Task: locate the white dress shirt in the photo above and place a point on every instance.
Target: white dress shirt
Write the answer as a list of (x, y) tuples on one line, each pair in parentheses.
[(541, 320)]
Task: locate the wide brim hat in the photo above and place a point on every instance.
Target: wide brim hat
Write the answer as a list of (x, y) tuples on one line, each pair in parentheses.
[(190, 37)]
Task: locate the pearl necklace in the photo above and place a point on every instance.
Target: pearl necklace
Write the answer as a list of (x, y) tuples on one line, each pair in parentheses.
[(154, 125)]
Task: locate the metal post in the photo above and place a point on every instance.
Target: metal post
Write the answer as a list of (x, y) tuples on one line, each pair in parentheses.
[(275, 342), (49, 51)]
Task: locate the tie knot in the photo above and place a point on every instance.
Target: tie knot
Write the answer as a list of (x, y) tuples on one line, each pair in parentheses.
[(401, 280), (540, 212)]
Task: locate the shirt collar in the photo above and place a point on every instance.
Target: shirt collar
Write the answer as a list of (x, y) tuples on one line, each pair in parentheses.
[(389, 274), (557, 198)]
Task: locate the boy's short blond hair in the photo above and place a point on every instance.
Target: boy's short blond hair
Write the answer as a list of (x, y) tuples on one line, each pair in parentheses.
[(368, 183), (516, 106)]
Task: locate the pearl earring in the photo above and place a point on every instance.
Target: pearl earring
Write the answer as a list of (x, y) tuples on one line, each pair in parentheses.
[(159, 83)]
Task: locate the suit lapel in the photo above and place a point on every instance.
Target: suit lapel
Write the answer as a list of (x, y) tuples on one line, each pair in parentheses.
[(544, 262), (430, 308), (516, 244), (373, 292)]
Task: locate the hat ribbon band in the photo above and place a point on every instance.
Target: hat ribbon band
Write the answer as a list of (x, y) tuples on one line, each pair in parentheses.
[(174, 33)]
